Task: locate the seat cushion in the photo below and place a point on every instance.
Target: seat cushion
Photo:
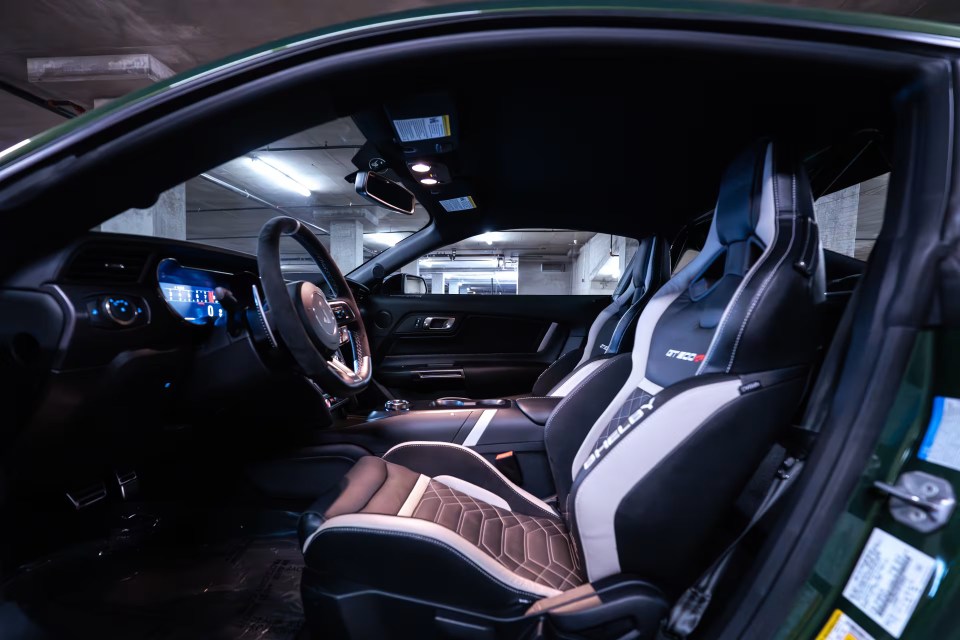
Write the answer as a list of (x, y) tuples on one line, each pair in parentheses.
[(535, 548), (465, 538)]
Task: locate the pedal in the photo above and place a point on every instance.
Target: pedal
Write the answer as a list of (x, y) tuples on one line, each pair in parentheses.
[(129, 484), (86, 497)]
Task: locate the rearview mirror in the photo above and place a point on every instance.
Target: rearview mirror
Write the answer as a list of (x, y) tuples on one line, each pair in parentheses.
[(403, 284), (384, 192)]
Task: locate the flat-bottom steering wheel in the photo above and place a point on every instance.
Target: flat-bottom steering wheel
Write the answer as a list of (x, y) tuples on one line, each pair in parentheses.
[(314, 328)]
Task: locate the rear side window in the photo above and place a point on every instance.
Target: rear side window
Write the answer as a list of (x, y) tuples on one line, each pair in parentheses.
[(850, 219)]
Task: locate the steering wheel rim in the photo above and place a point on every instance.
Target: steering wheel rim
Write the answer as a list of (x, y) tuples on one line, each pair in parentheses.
[(306, 321)]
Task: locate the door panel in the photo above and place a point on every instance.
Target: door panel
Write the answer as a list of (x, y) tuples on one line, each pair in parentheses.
[(477, 346)]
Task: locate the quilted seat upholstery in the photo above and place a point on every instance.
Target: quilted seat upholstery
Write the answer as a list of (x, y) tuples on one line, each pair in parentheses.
[(536, 548)]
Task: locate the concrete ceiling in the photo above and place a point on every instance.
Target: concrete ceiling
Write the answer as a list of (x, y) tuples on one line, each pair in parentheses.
[(183, 34)]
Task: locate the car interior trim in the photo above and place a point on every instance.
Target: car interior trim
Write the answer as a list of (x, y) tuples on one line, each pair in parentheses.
[(413, 499), (476, 432)]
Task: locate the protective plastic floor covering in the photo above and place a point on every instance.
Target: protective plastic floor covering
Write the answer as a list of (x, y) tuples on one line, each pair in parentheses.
[(156, 580)]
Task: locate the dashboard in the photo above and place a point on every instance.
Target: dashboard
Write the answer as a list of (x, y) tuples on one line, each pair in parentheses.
[(117, 346)]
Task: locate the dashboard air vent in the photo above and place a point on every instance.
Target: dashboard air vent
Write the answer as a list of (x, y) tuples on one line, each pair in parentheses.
[(106, 264)]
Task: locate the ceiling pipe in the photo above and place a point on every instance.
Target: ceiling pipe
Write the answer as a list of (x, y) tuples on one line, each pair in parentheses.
[(246, 194)]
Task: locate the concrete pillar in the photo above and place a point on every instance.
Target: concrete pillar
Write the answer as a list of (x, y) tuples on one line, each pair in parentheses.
[(412, 268), (837, 219), (165, 219), (346, 243), (532, 280), (591, 259), (436, 282)]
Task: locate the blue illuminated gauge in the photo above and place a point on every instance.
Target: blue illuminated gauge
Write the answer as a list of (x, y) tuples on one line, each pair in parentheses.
[(190, 293)]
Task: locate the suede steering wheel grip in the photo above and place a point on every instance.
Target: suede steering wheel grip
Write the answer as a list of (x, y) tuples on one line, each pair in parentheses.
[(303, 316)]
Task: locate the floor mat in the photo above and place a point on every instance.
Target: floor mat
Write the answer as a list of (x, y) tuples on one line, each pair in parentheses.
[(235, 577)]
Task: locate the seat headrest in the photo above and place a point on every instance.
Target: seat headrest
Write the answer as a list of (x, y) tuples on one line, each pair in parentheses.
[(741, 192)]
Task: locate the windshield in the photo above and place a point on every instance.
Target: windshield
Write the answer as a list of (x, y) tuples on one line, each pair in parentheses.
[(304, 176)]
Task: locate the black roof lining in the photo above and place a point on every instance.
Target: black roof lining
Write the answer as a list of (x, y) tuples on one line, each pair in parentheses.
[(557, 134)]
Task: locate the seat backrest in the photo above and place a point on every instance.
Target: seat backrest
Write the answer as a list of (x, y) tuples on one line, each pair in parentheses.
[(647, 270), (612, 330), (720, 361)]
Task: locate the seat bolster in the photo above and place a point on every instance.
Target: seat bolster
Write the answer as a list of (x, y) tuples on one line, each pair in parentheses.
[(556, 372), (372, 486), (435, 459), (418, 558)]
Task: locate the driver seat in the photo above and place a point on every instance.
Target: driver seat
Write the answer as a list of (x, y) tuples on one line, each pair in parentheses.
[(432, 540)]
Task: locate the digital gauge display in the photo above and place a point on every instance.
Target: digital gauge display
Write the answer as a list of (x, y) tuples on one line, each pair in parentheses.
[(190, 292), (194, 304)]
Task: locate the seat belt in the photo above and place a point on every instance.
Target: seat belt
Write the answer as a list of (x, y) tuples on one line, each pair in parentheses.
[(690, 608)]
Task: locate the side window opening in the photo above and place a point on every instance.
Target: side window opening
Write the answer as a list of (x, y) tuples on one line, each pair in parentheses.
[(527, 262)]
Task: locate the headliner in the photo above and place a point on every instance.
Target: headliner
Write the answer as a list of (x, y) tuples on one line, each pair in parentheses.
[(623, 144)]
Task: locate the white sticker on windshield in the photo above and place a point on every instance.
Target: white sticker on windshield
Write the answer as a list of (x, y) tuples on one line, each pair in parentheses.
[(413, 129), (841, 627), (941, 445), (458, 204), (888, 581)]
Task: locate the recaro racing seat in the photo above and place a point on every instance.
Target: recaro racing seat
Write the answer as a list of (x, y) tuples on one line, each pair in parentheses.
[(611, 331), (431, 539)]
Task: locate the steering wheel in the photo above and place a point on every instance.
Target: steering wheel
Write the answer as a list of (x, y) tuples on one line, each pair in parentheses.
[(312, 327)]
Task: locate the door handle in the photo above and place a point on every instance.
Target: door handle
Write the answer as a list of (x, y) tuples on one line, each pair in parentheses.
[(439, 373), (438, 323)]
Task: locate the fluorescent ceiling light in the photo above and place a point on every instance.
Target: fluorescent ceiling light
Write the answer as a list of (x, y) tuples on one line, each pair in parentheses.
[(611, 269), (388, 238), (22, 143), (420, 167), (267, 170)]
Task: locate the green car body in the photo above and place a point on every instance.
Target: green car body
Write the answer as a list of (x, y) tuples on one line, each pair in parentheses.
[(930, 373)]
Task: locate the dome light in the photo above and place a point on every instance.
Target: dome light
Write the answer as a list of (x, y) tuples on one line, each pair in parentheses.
[(420, 167)]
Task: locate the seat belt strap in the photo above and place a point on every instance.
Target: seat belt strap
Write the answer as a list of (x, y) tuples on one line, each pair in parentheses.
[(689, 609)]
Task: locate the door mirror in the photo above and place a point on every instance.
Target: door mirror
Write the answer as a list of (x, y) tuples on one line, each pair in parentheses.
[(403, 284), (385, 192)]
